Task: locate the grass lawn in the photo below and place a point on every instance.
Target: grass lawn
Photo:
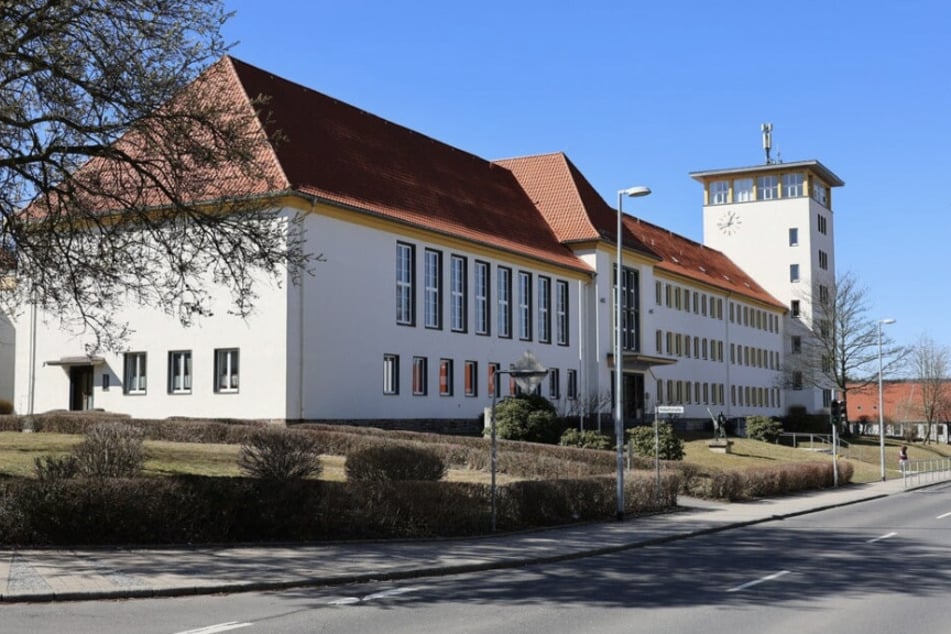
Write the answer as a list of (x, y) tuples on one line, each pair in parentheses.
[(19, 450)]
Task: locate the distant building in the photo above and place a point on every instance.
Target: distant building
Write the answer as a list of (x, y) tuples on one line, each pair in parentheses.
[(903, 409)]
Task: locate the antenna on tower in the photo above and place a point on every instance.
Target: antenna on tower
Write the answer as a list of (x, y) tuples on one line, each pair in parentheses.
[(767, 129)]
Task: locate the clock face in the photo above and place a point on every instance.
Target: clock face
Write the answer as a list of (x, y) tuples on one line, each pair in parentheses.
[(729, 222)]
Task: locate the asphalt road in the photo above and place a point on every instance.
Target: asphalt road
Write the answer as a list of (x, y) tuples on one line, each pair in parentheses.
[(882, 566)]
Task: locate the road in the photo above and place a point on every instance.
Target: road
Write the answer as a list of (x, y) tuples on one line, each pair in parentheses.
[(880, 566)]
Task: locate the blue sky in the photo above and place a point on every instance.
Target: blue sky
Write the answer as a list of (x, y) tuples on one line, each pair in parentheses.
[(642, 93)]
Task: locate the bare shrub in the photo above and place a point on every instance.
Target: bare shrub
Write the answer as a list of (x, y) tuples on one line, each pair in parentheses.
[(51, 468), (280, 455), (110, 450), (394, 462)]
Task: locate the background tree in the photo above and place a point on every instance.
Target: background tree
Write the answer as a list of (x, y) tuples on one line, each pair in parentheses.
[(120, 172), (931, 363), (840, 350)]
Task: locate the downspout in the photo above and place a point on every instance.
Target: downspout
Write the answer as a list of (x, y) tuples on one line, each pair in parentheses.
[(31, 392)]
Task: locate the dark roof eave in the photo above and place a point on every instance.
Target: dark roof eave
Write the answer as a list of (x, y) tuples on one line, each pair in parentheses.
[(827, 175)]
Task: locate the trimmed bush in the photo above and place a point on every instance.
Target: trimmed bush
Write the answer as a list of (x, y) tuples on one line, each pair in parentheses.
[(394, 462), (527, 417), (280, 455), (644, 442), (763, 428), (110, 450), (6, 407), (588, 439)]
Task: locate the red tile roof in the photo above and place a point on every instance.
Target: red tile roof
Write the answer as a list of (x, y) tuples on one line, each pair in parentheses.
[(576, 213), (693, 260), (343, 154), (902, 401)]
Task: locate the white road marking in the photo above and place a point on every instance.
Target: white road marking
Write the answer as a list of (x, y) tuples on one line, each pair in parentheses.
[(881, 537), (750, 584), (941, 517), (371, 597), (213, 629)]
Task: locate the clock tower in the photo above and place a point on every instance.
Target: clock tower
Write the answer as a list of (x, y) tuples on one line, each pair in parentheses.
[(775, 221)]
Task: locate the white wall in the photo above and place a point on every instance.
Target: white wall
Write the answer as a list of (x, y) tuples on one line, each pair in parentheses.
[(349, 323)]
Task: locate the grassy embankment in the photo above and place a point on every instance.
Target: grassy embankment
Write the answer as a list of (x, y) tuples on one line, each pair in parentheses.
[(18, 451)]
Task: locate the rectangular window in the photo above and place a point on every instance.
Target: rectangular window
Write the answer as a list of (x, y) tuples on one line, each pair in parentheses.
[(458, 299), (226, 370), (658, 293), (134, 374), (797, 380), (554, 384), (482, 298), (495, 387), (391, 374), (767, 188), (819, 191), (793, 272), (524, 306), (419, 376), (472, 378), (823, 294), (445, 377), (405, 284), (793, 185), (572, 388), (822, 224), (793, 236), (504, 321), (823, 260), (544, 309), (719, 192), (562, 323), (180, 372), (433, 289), (743, 190), (794, 308), (659, 341), (630, 309)]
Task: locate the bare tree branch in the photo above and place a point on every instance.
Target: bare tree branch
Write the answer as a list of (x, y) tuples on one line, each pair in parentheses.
[(131, 170)]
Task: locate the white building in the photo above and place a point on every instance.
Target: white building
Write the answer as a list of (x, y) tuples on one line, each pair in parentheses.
[(438, 267), (776, 219)]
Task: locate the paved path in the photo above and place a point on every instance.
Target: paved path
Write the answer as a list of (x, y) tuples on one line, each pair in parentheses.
[(78, 574)]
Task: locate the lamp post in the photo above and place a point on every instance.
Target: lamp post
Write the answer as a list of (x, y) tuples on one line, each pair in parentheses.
[(527, 372), (633, 192), (881, 413)]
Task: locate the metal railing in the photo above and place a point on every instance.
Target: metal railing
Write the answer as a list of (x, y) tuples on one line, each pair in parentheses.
[(817, 442), (929, 470)]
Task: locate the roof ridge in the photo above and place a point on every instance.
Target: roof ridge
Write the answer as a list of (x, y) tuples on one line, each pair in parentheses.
[(229, 61)]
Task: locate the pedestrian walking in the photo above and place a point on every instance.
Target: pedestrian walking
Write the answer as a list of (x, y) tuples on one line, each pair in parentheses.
[(903, 459)]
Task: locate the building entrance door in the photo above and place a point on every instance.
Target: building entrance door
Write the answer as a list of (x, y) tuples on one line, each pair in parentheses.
[(633, 396), (80, 387)]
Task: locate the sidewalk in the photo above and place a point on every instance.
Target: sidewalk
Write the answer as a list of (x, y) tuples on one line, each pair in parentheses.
[(87, 574)]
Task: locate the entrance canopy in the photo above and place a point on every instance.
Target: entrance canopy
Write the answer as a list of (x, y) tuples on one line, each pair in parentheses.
[(79, 360), (638, 361)]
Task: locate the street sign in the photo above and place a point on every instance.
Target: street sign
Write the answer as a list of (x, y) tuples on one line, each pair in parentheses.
[(670, 409)]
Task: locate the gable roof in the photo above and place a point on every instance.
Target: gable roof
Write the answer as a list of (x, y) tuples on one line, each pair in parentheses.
[(342, 154), (575, 211)]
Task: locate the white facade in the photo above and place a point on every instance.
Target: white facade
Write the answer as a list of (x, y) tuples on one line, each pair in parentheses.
[(776, 220)]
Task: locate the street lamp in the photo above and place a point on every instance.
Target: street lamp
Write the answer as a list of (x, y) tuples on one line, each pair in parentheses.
[(633, 192), (881, 414), (527, 372)]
